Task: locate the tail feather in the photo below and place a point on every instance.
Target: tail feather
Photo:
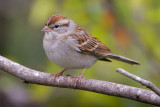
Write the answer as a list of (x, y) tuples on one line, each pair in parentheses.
[(123, 59)]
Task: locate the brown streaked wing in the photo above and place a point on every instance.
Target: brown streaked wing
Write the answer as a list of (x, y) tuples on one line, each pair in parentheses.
[(89, 44)]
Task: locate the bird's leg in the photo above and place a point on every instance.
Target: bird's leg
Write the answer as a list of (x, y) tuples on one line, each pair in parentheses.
[(79, 77), (59, 73)]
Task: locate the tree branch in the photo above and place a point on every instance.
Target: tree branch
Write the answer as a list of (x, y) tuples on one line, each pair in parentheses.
[(146, 83), (103, 87)]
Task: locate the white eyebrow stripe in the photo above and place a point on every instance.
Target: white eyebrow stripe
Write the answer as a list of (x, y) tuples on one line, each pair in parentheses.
[(64, 21)]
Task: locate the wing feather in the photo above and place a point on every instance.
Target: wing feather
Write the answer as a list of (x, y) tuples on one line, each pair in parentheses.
[(88, 44)]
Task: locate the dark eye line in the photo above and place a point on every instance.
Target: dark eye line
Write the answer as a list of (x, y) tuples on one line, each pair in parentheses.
[(57, 26), (66, 25)]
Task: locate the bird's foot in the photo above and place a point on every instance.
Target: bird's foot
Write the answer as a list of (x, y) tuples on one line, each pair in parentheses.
[(58, 74), (77, 80)]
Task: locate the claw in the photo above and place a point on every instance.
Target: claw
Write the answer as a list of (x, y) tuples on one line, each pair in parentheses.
[(78, 78), (59, 73)]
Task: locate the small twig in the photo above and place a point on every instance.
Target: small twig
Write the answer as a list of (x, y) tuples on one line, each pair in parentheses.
[(146, 83)]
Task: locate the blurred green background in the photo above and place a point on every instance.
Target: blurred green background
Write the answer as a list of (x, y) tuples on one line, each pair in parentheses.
[(128, 27)]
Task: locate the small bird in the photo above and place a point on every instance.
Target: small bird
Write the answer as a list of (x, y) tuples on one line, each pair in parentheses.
[(70, 46)]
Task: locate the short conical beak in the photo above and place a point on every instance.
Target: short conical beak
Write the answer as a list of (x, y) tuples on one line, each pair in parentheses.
[(46, 29)]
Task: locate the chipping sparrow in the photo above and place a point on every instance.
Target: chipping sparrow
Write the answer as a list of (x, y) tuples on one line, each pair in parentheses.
[(70, 46)]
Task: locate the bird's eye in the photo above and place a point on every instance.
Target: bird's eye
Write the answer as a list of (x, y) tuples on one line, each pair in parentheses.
[(56, 26)]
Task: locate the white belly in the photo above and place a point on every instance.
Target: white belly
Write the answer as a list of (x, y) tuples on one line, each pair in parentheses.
[(64, 55)]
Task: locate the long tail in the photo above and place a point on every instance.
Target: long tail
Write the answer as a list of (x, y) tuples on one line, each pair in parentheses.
[(123, 59)]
